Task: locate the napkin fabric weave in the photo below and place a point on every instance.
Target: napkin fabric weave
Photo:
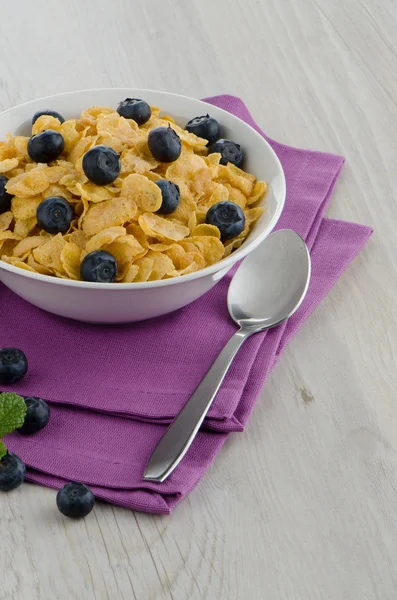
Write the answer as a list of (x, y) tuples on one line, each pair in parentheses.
[(114, 389)]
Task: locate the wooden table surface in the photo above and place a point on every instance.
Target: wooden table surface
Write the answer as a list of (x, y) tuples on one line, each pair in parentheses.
[(303, 505)]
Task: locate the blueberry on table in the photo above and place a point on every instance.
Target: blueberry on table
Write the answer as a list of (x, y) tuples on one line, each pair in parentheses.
[(50, 113), (101, 165), (99, 266), (45, 146), (13, 365), (228, 217), (136, 109), (12, 472), (5, 197), (170, 196), (229, 151), (75, 500), (37, 415), (205, 127), (54, 214), (164, 143)]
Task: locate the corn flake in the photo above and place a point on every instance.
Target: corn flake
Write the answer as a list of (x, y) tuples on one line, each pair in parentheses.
[(37, 267), (192, 221), (70, 134), (105, 237), (130, 274), (185, 208), (132, 162), (236, 196), (94, 193), (7, 150), (24, 226), (25, 208), (136, 230), (7, 247), (55, 173), (117, 128), (81, 147), (77, 237), (253, 214), (145, 193), (125, 249), (91, 115), (176, 253), (108, 214), (206, 229), (160, 247), (145, 266), (258, 192), (81, 210), (8, 164), (6, 220), (29, 243), (209, 247), (237, 178), (28, 184), (70, 259), (185, 168), (45, 122), (58, 190), (49, 254), (162, 229), (17, 262), (162, 265), (7, 235)]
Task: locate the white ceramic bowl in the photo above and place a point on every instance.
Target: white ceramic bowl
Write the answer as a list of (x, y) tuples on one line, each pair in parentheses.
[(122, 303)]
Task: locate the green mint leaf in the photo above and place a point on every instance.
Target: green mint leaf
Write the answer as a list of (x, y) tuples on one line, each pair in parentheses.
[(12, 412), (3, 450)]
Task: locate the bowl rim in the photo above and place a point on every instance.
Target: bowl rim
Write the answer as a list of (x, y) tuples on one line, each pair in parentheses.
[(224, 264)]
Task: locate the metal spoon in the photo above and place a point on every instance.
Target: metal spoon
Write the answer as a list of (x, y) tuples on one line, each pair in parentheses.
[(267, 289)]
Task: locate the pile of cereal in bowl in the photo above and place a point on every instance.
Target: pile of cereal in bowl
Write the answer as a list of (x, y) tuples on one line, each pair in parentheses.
[(123, 195)]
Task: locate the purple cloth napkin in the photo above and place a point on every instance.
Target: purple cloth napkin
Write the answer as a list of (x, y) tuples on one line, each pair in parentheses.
[(113, 389)]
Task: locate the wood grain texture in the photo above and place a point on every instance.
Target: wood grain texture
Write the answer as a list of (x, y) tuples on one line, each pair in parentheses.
[(302, 506)]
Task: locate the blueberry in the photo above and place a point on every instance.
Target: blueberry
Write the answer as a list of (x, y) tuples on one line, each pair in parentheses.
[(230, 152), (13, 365), (170, 195), (12, 472), (37, 415), (101, 165), (228, 217), (54, 214), (205, 127), (45, 146), (165, 144), (50, 113), (75, 500), (136, 109), (5, 197), (99, 266)]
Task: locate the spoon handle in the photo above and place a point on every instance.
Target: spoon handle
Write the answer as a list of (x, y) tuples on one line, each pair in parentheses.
[(176, 441)]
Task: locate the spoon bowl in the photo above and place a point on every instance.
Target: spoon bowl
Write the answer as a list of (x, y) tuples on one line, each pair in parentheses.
[(271, 283)]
